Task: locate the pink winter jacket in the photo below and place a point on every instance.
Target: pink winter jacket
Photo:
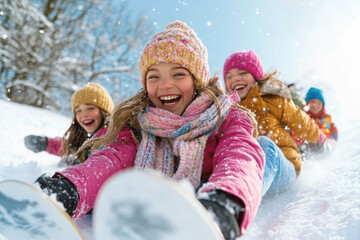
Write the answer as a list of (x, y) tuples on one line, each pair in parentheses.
[(233, 162), (54, 144)]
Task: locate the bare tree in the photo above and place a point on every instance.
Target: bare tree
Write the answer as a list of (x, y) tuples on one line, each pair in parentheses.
[(50, 48)]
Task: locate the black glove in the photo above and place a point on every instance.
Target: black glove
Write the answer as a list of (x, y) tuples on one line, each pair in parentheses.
[(36, 143), (65, 191), (225, 213)]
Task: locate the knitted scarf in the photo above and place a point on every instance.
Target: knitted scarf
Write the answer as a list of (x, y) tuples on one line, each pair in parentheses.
[(167, 136)]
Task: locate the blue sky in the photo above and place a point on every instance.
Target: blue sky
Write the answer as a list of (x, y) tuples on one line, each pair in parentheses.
[(312, 43)]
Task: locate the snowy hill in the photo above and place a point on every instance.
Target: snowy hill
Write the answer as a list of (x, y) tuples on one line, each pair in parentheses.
[(323, 204)]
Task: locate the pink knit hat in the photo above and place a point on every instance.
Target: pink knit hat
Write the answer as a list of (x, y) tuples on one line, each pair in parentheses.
[(246, 60), (177, 43)]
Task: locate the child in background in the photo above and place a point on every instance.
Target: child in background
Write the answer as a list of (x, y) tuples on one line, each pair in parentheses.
[(91, 105), (270, 100), (181, 124), (315, 108)]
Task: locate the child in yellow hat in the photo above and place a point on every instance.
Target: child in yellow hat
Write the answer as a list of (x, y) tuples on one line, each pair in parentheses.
[(91, 105)]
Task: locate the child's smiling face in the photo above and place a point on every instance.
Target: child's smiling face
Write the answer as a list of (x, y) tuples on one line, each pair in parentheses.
[(88, 116), (315, 106), (240, 81), (170, 86)]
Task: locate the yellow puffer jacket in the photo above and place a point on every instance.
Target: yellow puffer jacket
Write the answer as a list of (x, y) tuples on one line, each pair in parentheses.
[(276, 116)]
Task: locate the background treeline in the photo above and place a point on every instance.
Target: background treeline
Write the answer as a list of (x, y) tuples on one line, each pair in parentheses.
[(48, 48)]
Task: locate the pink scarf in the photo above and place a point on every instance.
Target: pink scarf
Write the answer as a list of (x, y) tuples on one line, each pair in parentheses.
[(165, 135)]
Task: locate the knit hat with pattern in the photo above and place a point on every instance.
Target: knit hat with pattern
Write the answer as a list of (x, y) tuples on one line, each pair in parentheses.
[(177, 43), (246, 60), (92, 93)]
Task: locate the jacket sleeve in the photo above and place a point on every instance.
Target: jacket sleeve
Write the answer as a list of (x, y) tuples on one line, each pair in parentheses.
[(334, 131), (89, 176), (54, 146), (238, 164), (299, 122)]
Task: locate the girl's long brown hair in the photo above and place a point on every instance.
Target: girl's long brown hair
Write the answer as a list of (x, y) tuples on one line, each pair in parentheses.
[(127, 111)]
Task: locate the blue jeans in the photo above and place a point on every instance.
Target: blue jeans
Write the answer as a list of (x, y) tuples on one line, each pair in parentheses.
[(279, 172)]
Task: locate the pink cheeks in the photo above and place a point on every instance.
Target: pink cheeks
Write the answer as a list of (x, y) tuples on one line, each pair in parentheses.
[(240, 81), (170, 86), (89, 117)]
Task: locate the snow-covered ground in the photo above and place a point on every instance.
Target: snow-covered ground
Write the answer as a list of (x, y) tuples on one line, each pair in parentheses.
[(323, 204)]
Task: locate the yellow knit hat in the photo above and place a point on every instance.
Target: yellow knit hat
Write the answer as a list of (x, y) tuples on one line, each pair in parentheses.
[(93, 93), (177, 43)]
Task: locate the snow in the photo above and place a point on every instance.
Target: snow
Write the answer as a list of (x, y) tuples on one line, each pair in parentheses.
[(324, 203)]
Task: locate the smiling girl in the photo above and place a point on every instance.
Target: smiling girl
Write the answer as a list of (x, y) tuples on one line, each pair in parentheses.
[(91, 105), (170, 87), (182, 125), (270, 101)]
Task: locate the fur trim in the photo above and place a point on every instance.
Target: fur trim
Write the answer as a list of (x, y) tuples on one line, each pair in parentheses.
[(275, 87)]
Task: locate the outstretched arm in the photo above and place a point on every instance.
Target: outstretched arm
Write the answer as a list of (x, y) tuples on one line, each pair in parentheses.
[(238, 165), (89, 176)]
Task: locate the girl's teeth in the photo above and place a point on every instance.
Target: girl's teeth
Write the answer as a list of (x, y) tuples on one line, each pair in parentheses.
[(166, 98), (169, 100), (87, 122)]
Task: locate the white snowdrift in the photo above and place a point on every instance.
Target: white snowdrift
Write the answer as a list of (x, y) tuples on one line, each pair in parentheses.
[(323, 204)]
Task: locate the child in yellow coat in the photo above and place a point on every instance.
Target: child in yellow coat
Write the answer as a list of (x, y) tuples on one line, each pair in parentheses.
[(269, 100)]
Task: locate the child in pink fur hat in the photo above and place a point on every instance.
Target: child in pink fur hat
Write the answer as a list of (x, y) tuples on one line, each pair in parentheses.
[(182, 125), (270, 101)]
